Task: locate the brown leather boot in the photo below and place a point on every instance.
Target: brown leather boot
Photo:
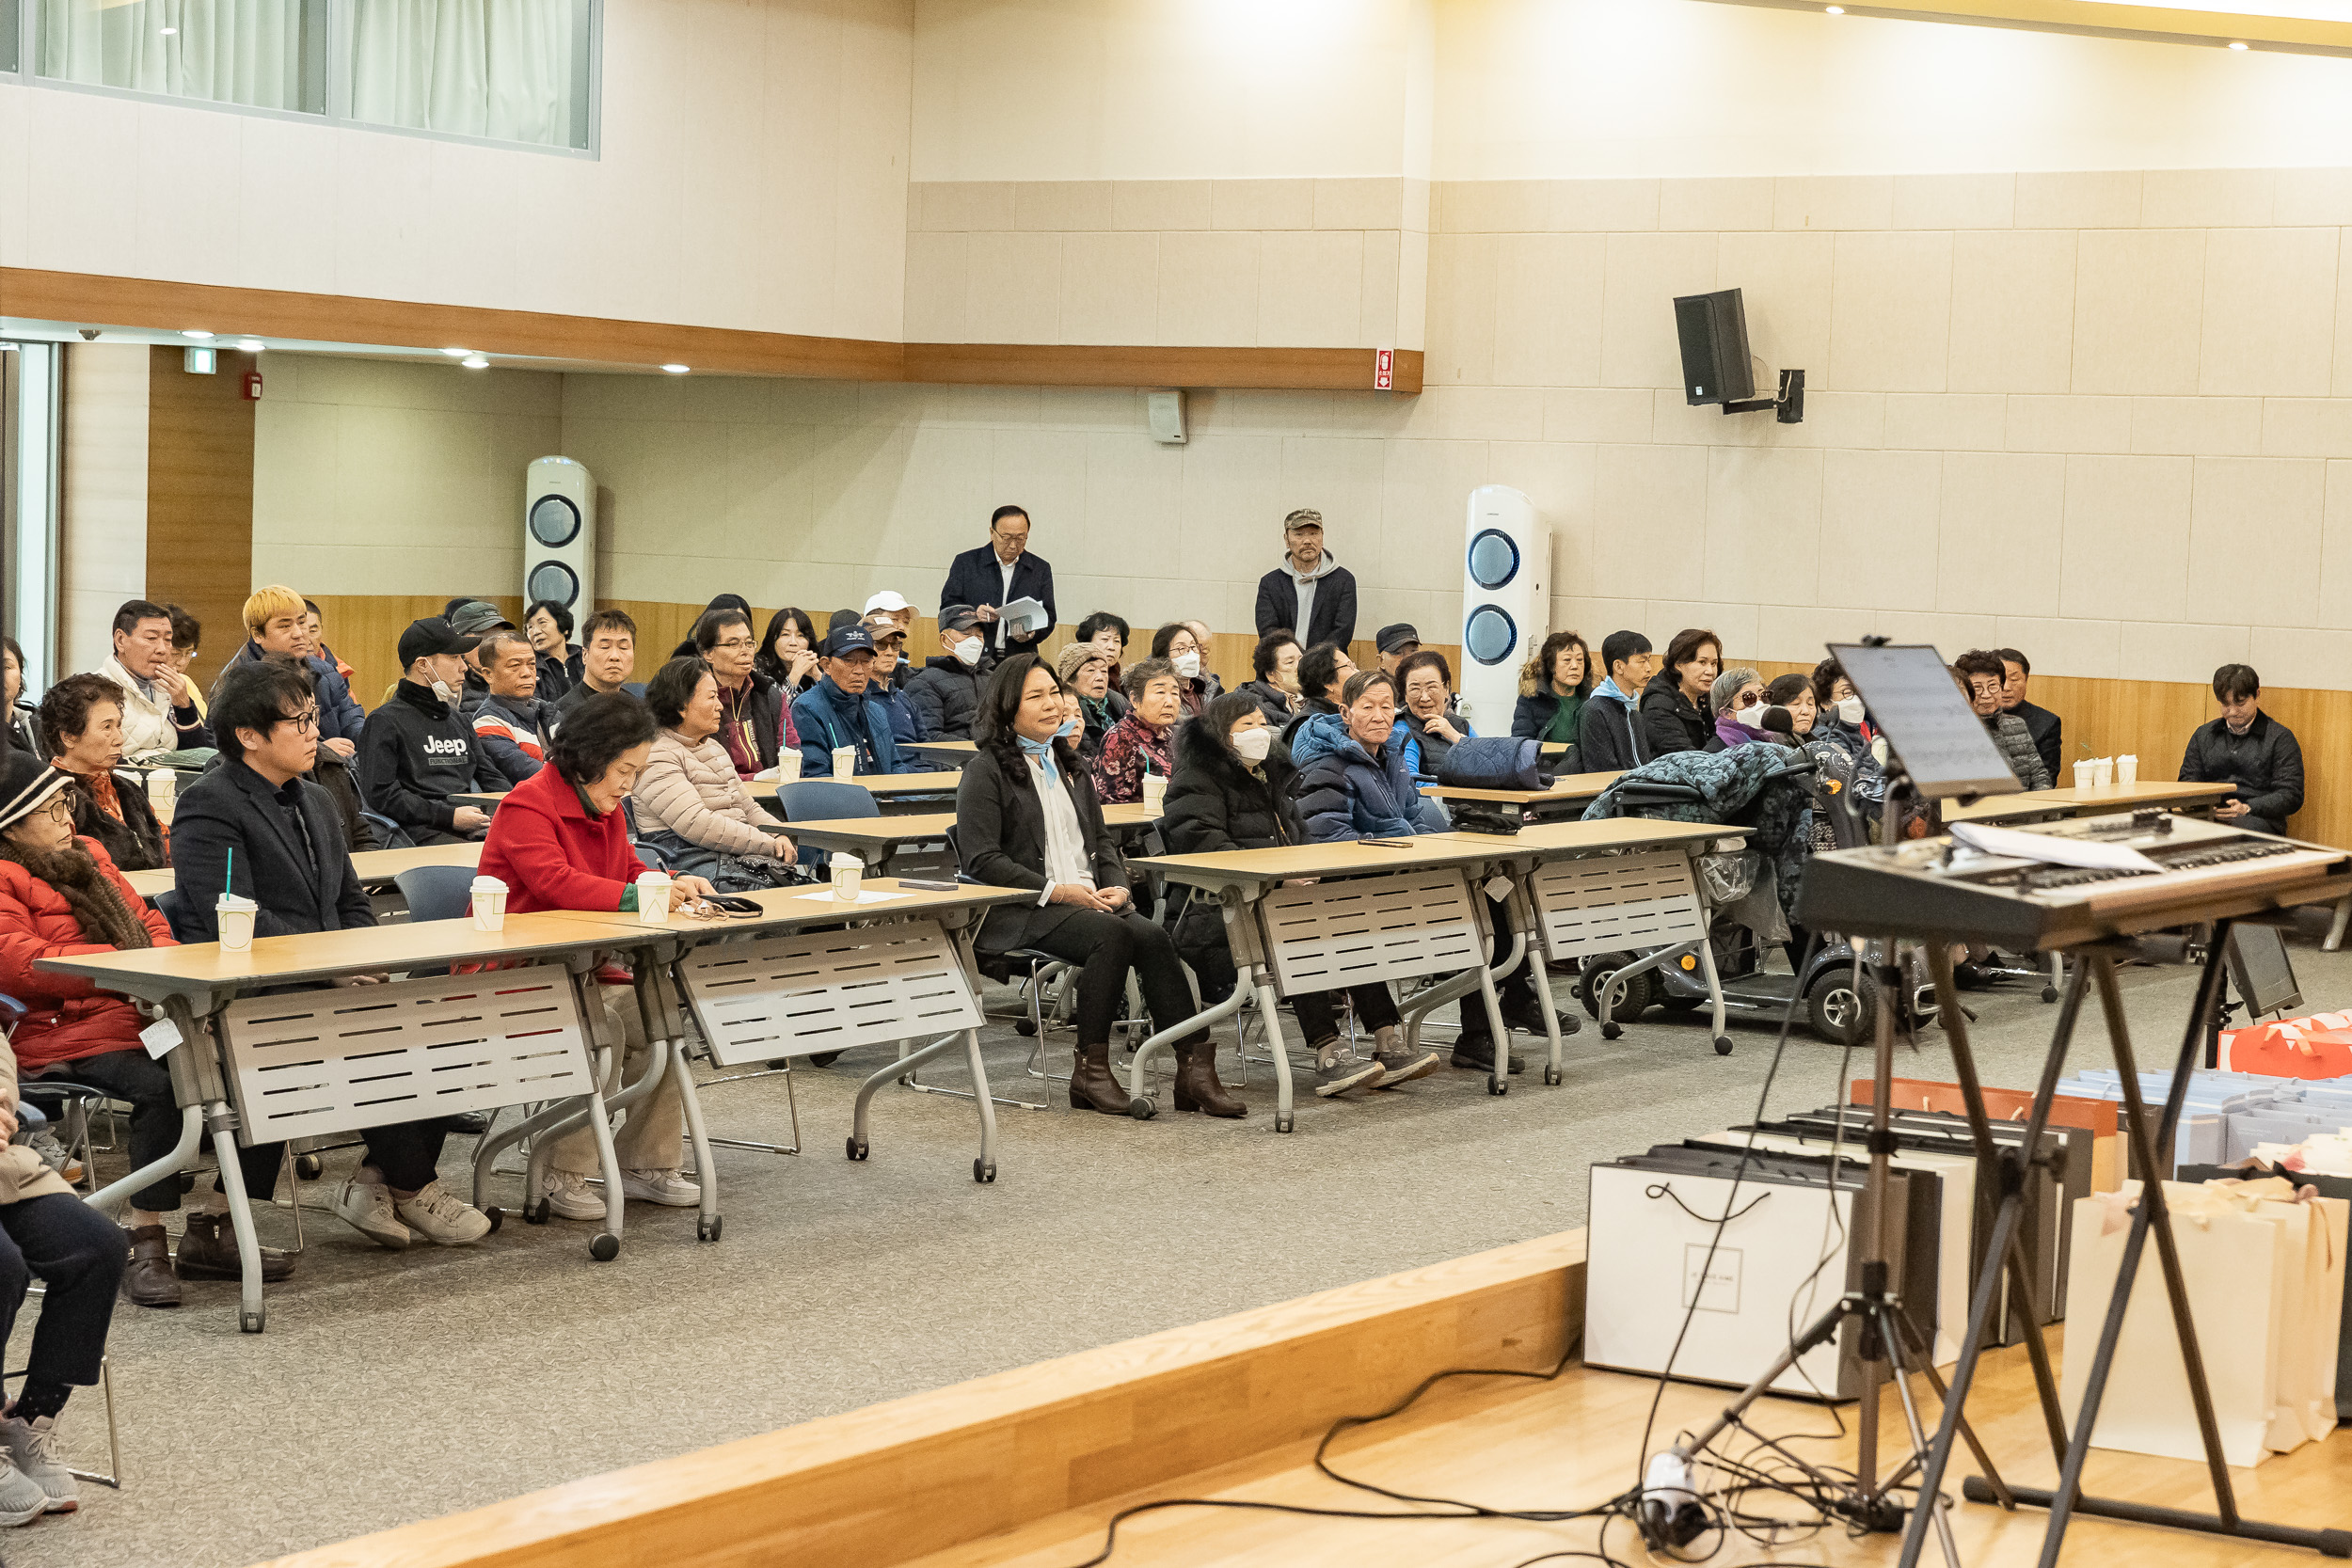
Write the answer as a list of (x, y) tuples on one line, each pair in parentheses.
[(1198, 1087), (208, 1250), (148, 1281), (1092, 1084)]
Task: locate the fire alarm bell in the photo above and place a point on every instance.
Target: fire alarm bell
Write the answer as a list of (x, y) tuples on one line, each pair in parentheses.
[(253, 386)]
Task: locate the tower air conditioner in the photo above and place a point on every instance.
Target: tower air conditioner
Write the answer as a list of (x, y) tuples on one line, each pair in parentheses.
[(1506, 601), (560, 535)]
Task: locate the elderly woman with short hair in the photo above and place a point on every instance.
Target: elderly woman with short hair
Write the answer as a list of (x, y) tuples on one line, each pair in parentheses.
[(691, 806)]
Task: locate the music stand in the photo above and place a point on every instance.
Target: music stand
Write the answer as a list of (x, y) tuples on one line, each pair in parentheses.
[(1946, 752)]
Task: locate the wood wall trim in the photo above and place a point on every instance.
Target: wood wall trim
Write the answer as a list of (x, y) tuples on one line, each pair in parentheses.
[(2294, 34), (896, 1481), (200, 502), (159, 305)]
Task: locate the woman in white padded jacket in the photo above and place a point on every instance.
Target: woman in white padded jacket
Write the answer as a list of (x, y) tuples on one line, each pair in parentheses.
[(691, 805)]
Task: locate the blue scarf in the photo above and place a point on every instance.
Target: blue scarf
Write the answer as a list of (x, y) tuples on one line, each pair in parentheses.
[(1043, 752)]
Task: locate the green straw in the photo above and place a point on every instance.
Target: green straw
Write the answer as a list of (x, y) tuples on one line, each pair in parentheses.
[(229, 884)]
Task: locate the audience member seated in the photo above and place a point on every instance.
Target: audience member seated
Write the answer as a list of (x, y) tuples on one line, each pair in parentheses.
[(1352, 784), (16, 714), (2047, 729), (1110, 635), (2248, 748), (756, 722), (1206, 641), (1395, 645), (1736, 701), (1138, 744), (691, 806), (549, 625), (735, 602), (946, 692), (1674, 711), (561, 842), (186, 632), (277, 624), (511, 725), (1609, 731), (82, 716), (1178, 646), (608, 652), (1428, 726), (841, 712), (1323, 670), (254, 826), (315, 631), (335, 775), (162, 723), (1026, 817), (1983, 672), (1310, 595), (1795, 693), (415, 752), (1274, 665), (787, 652), (892, 671), (1085, 672), (49, 886), (1553, 687), (477, 619), (1231, 790)]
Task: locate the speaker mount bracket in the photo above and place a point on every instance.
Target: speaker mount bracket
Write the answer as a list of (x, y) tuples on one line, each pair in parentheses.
[(1788, 406)]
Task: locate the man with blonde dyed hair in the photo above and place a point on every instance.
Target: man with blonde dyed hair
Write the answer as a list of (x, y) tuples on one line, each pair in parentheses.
[(278, 626), (1310, 595)]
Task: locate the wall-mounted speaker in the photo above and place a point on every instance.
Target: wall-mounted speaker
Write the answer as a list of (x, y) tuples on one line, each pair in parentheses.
[(1713, 332), (559, 534), (1506, 601)]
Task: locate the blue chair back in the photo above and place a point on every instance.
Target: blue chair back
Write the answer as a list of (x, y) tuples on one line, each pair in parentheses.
[(825, 801), (178, 916), (389, 834), (437, 892)]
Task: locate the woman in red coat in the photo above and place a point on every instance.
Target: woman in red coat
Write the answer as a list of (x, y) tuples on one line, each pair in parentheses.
[(560, 841)]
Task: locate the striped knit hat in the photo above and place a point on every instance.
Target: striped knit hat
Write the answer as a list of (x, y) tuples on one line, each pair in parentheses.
[(26, 783)]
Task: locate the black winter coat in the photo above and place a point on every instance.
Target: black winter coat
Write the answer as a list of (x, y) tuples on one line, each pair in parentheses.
[(945, 695), (1331, 616), (1272, 700), (1000, 839), (1214, 801), (2048, 733), (1670, 721), (414, 754), (1607, 737), (2266, 763)]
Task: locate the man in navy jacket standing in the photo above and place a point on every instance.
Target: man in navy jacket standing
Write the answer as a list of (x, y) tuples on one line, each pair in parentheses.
[(998, 572)]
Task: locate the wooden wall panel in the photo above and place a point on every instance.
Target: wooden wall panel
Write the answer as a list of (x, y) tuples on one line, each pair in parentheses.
[(199, 500)]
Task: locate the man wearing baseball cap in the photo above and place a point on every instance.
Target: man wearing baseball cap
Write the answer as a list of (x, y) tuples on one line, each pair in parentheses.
[(1310, 595), (477, 619), (890, 603), (416, 752), (842, 712), (1397, 643), (946, 692)]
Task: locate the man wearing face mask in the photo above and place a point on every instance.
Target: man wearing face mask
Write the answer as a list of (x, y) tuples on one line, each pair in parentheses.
[(946, 692), (416, 752)]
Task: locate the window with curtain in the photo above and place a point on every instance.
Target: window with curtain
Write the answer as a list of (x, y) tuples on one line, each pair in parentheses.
[(262, 54), (506, 70), (8, 36)]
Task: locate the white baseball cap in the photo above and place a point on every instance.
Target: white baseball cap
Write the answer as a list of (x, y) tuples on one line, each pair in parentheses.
[(887, 600)]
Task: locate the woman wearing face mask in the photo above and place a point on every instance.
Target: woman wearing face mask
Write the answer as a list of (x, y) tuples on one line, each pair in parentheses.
[(1231, 791), (1736, 699), (1674, 715), (1275, 691), (1178, 646), (1427, 724), (1026, 817), (1553, 688), (1086, 676), (1138, 744), (946, 692), (1840, 721)]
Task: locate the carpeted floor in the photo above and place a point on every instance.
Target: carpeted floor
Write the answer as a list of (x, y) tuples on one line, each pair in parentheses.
[(393, 1387)]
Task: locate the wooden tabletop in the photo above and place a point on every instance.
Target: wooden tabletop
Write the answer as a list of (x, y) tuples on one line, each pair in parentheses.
[(1583, 838), (373, 865), (876, 783), (2144, 794), (840, 832), (956, 752), (784, 908), (1567, 787)]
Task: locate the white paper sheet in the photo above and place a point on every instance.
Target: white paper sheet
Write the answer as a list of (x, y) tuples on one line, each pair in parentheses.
[(2050, 848), (1023, 615), (826, 896)]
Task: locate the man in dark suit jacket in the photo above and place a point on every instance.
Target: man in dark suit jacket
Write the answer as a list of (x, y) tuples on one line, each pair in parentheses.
[(998, 572), (1312, 574), (2040, 724)]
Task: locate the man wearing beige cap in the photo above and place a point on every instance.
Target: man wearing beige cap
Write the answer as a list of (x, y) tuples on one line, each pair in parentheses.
[(1310, 595)]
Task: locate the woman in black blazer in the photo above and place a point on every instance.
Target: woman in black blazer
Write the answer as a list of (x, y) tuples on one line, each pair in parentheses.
[(1026, 817)]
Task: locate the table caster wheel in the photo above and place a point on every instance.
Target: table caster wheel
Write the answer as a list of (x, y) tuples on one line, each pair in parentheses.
[(708, 1231), (1284, 1123), (1611, 1029), (535, 1211), (1141, 1108), (1723, 1045), (1497, 1083), (496, 1215), (308, 1167), (857, 1149), (1552, 1076), (605, 1246), (2049, 994), (251, 1321), (824, 1058), (983, 1171), (1024, 1027)]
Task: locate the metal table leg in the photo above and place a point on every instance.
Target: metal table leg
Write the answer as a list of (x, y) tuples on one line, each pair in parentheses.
[(983, 1168), (197, 1083), (1271, 1013), (657, 1008), (1523, 907), (1139, 1099)]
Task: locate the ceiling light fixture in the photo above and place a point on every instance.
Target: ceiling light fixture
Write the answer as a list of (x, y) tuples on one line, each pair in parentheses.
[(475, 362), (678, 370), (250, 345), (457, 353), (1834, 10), (2238, 44), (195, 332)]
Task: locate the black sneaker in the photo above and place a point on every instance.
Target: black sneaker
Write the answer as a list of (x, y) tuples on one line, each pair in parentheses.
[(1529, 1015), (1477, 1051), (1345, 1073), (1404, 1064)]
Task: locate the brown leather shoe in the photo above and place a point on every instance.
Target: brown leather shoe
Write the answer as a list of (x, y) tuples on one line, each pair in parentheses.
[(209, 1251), (148, 1281), (1198, 1087), (1092, 1086)]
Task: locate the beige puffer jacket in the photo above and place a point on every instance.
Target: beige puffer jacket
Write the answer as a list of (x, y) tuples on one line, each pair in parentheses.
[(23, 1173), (690, 788)]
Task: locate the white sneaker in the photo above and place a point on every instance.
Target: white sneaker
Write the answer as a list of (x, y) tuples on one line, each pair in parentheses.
[(368, 1208), (568, 1197), (32, 1445), (442, 1217), (666, 1187), (22, 1499)]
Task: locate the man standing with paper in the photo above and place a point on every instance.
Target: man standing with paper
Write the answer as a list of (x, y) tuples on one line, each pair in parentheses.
[(1012, 589)]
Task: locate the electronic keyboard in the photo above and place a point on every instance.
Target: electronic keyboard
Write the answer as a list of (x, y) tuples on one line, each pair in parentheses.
[(1938, 887)]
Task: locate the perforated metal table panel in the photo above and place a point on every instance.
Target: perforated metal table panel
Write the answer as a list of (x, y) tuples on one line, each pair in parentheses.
[(345, 1058), (797, 993), (1590, 903), (1394, 927)]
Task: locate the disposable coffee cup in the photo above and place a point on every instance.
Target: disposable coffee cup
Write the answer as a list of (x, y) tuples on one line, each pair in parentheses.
[(235, 917), (2103, 772), (846, 869), (1155, 790), (844, 761), (163, 784), (2127, 769), (2083, 773), (787, 766), (652, 898), (489, 904)]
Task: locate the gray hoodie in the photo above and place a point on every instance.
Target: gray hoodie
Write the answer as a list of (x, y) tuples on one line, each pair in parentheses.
[(1305, 582)]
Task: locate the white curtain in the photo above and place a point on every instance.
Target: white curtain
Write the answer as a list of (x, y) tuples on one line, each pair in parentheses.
[(224, 51), (501, 68)]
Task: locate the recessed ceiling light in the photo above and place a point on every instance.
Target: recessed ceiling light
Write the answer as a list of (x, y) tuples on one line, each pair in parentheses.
[(2237, 45), (475, 362), (456, 353), (678, 370), (1834, 10), (195, 332), (250, 345)]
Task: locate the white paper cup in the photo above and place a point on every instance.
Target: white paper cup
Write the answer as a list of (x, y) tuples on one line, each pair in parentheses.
[(788, 766), (653, 899), (163, 784), (2127, 769), (235, 917), (489, 904), (2103, 772), (846, 870), (844, 761), (2083, 773), (1155, 790)]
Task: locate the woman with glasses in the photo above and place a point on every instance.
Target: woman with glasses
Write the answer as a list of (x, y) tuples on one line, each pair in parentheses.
[(754, 720), (82, 716)]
